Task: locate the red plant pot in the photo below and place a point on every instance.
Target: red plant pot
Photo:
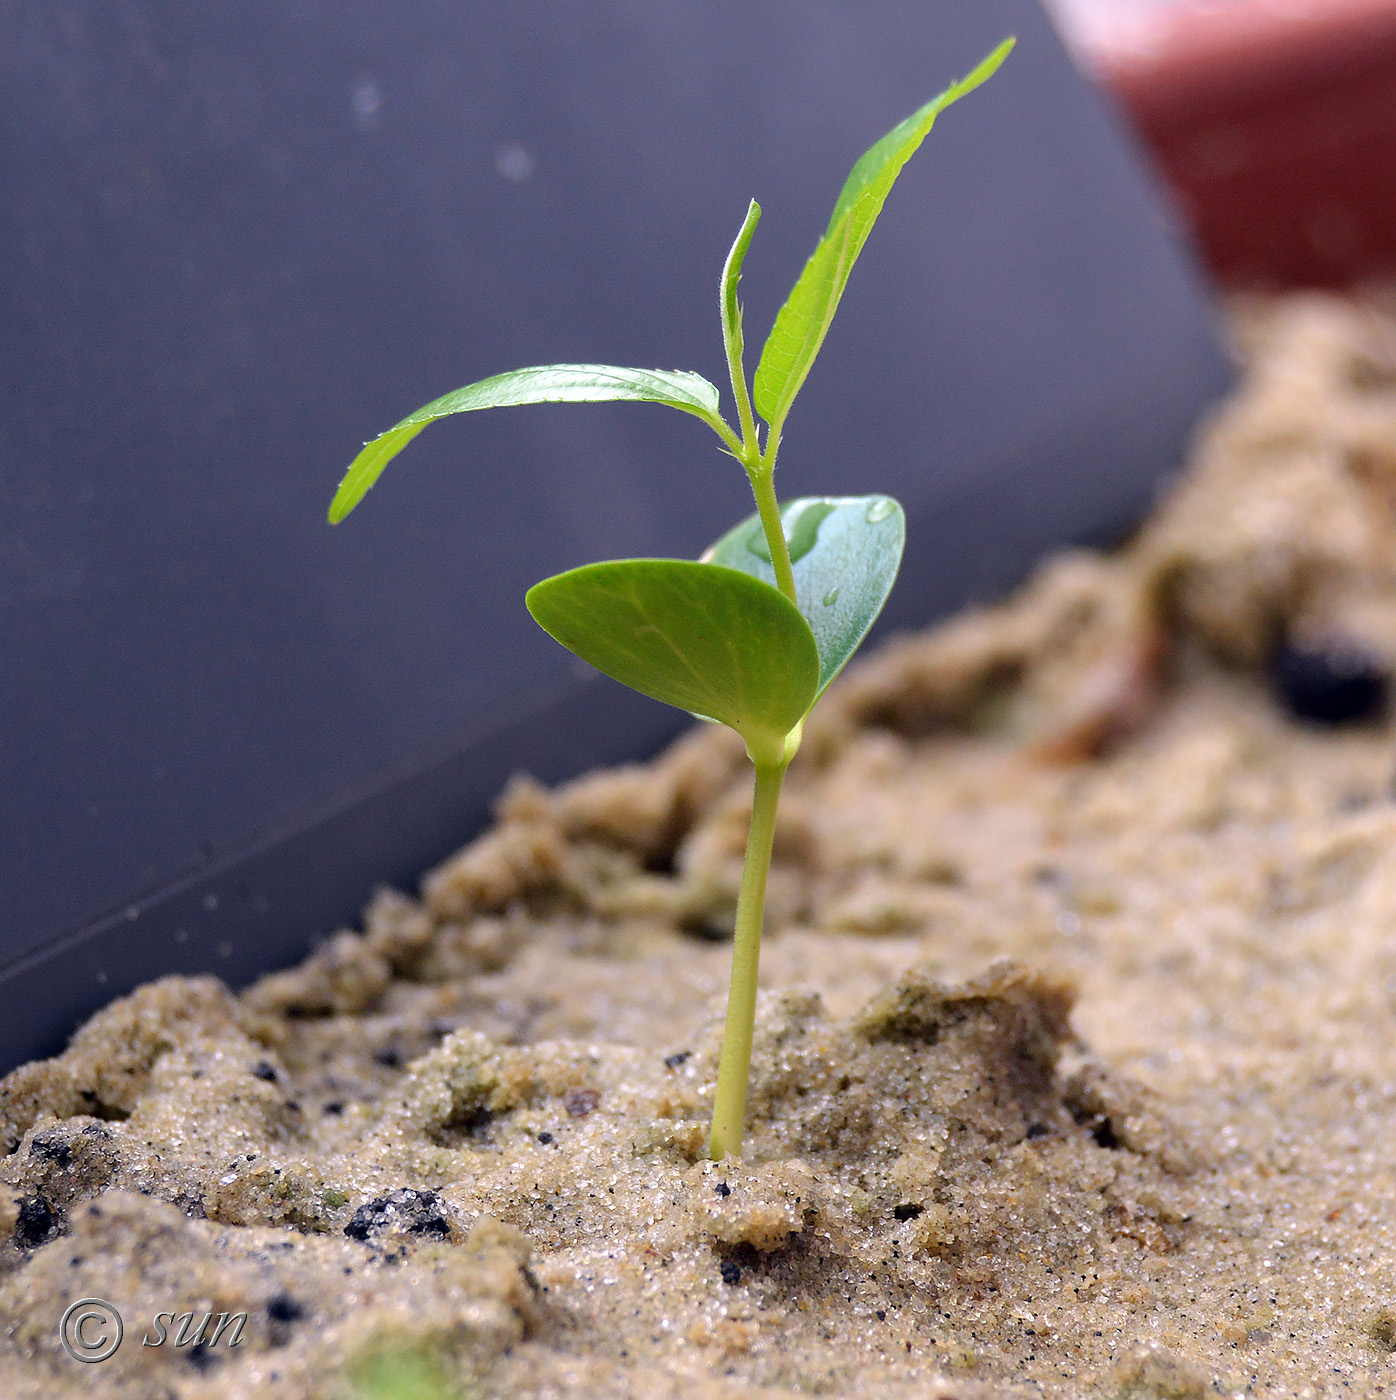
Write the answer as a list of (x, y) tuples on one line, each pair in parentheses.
[(1275, 123)]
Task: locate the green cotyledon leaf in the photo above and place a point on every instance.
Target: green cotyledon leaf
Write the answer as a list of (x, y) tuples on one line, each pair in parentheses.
[(803, 321), (540, 384), (844, 551), (712, 640)]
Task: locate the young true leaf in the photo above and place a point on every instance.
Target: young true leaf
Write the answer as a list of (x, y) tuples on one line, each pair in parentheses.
[(731, 311), (803, 321), (716, 641), (541, 384), (845, 552)]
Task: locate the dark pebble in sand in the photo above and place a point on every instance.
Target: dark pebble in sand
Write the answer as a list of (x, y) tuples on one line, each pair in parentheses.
[(413, 1212), (1333, 685)]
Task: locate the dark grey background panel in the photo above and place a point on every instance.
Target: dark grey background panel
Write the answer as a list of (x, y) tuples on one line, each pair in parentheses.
[(235, 241)]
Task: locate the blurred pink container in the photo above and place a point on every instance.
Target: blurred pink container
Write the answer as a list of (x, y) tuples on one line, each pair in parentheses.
[(1276, 125)]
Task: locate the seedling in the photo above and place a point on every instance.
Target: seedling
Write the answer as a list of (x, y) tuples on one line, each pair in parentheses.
[(751, 634)]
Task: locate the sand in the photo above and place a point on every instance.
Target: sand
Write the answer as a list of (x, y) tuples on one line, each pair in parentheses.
[(1075, 1071)]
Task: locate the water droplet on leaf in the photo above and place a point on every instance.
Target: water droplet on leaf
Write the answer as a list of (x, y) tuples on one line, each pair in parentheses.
[(801, 525), (879, 509), (831, 597), (802, 530)]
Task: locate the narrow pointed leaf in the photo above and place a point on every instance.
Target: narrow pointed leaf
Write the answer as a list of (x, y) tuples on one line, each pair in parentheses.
[(845, 552), (541, 384), (804, 320), (712, 640), (731, 309)]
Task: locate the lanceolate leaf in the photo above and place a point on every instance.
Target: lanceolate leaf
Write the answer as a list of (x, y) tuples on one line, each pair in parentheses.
[(845, 552), (804, 319), (732, 318), (712, 640), (541, 384)]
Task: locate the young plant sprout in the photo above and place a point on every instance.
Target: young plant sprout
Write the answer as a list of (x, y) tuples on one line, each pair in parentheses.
[(751, 634)]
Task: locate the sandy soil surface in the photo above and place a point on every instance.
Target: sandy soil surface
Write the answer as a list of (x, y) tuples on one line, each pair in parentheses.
[(1075, 1071)]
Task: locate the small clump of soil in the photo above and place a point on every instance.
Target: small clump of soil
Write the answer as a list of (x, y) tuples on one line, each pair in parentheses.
[(1074, 1073)]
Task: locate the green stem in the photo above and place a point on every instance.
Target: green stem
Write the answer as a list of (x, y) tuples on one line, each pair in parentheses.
[(734, 1068), (763, 487)]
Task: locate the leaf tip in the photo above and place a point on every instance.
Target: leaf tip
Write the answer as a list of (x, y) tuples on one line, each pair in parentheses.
[(994, 61), (350, 492), (535, 597)]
